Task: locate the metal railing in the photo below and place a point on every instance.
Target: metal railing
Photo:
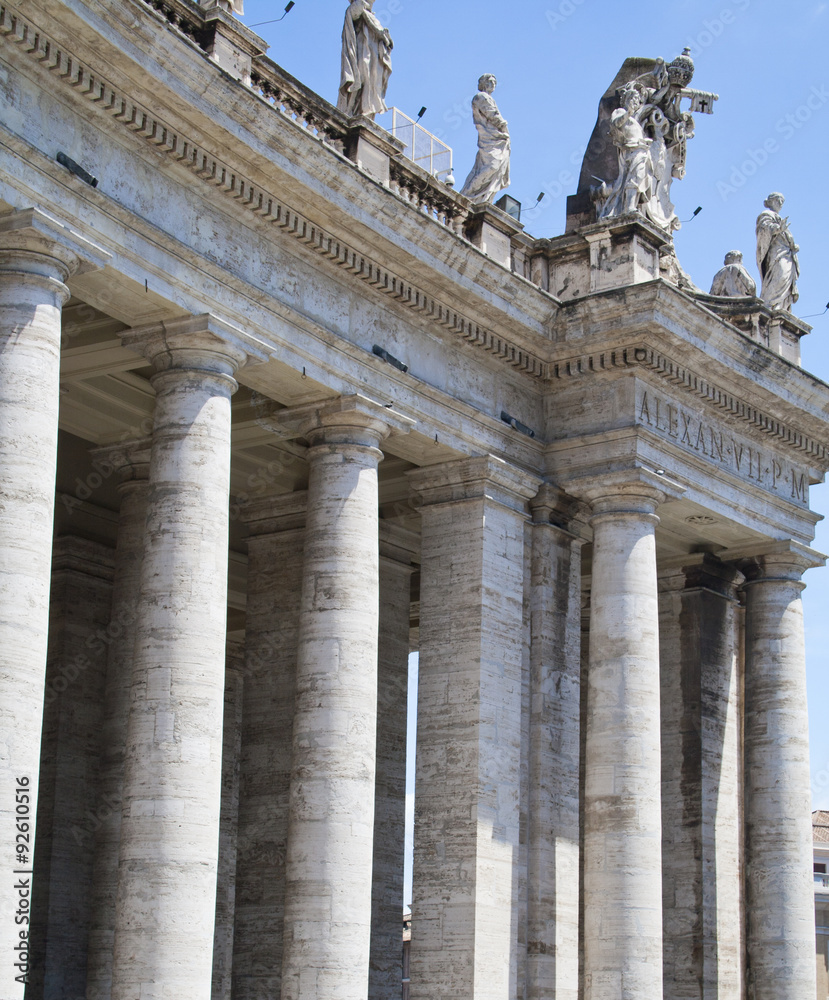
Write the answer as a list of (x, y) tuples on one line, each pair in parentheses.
[(422, 148)]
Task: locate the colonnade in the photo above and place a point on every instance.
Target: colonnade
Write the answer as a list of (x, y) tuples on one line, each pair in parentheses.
[(504, 821)]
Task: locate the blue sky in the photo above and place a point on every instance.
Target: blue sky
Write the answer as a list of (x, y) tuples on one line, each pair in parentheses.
[(554, 59)]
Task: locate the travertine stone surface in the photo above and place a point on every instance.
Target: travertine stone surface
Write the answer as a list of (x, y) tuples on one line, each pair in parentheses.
[(275, 557), (469, 741), (37, 255), (702, 830), (622, 821), (329, 859), (172, 781), (390, 785), (133, 461), (553, 779), (70, 805), (228, 824), (779, 886)]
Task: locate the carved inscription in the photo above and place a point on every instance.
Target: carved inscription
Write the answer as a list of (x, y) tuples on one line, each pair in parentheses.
[(722, 447)]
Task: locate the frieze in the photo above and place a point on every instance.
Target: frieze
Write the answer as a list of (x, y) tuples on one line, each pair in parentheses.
[(73, 73), (641, 356), (720, 446)]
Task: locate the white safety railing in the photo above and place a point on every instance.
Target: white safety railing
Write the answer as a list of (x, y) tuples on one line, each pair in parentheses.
[(423, 148)]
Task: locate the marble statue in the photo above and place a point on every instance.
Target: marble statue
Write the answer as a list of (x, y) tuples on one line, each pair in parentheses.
[(665, 130), (366, 62), (633, 188), (777, 256), (490, 174), (733, 280)]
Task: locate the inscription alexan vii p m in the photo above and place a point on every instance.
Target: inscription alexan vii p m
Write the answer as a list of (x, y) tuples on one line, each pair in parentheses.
[(721, 446)]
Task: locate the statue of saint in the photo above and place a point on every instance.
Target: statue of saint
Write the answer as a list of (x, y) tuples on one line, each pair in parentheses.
[(777, 256), (733, 279), (633, 188), (656, 118), (366, 62), (490, 173)]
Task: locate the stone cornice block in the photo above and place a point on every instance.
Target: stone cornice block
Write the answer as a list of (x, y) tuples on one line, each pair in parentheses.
[(197, 341), (398, 545), (337, 417), (624, 489), (277, 513), (80, 555), (130, 459), (31, 231), (765, 560), (487, 477)]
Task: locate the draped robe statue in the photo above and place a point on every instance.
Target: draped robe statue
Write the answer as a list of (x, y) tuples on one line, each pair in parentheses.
[(366, 62), (634, 187), (733, 280), (490, 174), (777, 256)]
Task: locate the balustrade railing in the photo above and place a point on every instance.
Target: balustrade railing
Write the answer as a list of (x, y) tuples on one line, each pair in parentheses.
[(420, 189), (325, 122)]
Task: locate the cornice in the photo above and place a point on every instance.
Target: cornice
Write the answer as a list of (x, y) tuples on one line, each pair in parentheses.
[(642, 356), (75, 74)]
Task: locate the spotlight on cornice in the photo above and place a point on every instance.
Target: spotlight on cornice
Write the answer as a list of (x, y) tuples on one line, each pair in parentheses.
[(420, 114), (390, 359), (288, 10), (516, 425), (77, 169)]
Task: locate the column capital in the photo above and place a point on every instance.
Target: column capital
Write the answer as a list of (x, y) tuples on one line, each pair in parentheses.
[(487, 477), (625, 491), (129, 459), (276, 513), (700, 571), (196, 343), (398, 545), (552, 506), (351, 419), (39, 243), (769, 561)]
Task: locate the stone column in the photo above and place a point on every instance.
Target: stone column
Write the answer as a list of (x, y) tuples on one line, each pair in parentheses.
[(779, 885), (69, 804), (275, 560), (37, 256), (229, 823), (329, 859), (396, 547), (133, 463), (466, 912), (622, 822), (172, 778), (555, 686), (702, 834)]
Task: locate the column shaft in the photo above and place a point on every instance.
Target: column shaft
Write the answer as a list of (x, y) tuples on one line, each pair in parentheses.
[(622, 839), (226, 880), (330, 833), (37, 255), (553, 870), (275, 559), (390, 787), (132, 516), (172, 783), (780, 893), (702, 834), (70, 807), (466, 912)]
